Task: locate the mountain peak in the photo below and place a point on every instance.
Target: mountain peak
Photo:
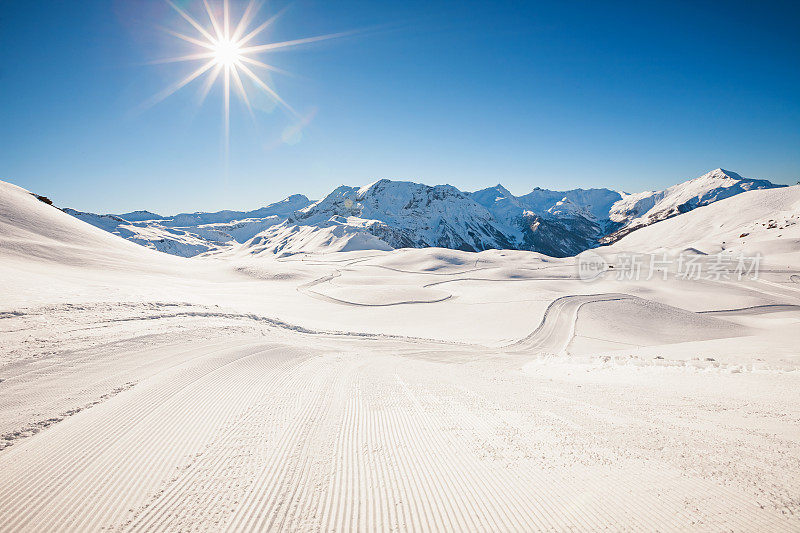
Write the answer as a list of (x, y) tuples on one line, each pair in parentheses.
[(502, 191), (721, 173), (492, 194), (364, 189), (294, 198), (140, 215)]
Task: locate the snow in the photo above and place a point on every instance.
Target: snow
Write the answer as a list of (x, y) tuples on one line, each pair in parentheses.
[(312, 378)]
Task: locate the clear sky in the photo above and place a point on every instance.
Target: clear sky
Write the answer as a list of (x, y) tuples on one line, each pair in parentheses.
[(631, 96)]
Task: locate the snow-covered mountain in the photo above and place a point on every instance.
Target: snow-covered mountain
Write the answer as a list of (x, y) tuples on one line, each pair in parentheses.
[(558, 223), (635, 211), (190, 234), (287, 239), (765, 222), (400, 214), (411, 215)]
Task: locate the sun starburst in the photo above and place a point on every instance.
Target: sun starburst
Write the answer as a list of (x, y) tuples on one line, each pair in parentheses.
[(227, 54)]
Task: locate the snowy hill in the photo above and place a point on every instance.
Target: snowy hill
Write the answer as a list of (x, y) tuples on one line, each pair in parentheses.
[(563, 223), (400, 214), (761, 221), (34, 232), (495, 391)]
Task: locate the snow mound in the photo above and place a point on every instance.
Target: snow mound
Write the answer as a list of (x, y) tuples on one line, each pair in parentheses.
[(34, 230), (636, 322)]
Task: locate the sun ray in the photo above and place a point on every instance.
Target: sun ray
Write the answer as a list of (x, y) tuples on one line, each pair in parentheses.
[(263, 65), (190, 57), (213, 20), (247, 38), (209, 82), (227, 110), (191, 21), (268, 89), (294, 42), (188, 39), (226, 19), (242, 92), (250, 10), (177, 85)]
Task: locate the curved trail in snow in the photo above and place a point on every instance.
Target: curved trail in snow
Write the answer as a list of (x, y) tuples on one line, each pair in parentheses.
[(306, 288), (557, 326), (435, 283), (754, 309)]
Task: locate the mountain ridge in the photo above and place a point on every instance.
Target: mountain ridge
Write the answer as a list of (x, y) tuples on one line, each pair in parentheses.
[(403, 214)]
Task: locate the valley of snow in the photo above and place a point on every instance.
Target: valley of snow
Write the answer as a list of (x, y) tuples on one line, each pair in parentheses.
[(320, 369)]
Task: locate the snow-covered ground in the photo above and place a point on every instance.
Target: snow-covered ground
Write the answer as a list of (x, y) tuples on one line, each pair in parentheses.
[(300, 388)]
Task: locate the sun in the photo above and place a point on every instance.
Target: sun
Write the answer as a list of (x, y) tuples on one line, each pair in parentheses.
[(228, 54)]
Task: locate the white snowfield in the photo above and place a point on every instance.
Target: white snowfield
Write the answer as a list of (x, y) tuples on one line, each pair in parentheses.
[(334, 387)]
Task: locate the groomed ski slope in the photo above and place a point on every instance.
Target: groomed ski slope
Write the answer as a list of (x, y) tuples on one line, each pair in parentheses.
[(410, 390)]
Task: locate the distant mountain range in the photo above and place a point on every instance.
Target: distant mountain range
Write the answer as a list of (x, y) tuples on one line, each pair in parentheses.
[(397, 214)]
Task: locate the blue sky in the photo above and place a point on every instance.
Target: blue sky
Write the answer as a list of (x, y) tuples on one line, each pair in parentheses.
[(631, 96)]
